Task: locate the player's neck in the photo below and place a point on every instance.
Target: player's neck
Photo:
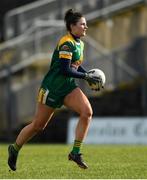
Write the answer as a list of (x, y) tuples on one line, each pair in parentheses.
[(76, 38)]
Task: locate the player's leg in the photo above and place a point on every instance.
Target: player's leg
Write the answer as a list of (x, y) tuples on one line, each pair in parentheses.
[(42, 116), (78, 102)]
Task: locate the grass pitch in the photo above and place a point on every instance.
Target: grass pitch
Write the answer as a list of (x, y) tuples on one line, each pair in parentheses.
[(50, 162)]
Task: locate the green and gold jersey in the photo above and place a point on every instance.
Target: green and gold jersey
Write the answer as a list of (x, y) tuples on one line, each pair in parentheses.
[(70, 49)]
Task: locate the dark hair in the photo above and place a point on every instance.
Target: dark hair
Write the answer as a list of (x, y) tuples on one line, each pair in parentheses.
[(71, 17)]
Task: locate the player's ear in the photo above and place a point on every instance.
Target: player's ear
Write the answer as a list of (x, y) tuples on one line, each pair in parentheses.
[(71, 26)]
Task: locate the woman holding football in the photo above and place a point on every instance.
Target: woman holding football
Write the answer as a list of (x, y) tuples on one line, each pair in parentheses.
[(59, 88)]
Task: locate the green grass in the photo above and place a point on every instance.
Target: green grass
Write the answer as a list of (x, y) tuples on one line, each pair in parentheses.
[(50, 162)]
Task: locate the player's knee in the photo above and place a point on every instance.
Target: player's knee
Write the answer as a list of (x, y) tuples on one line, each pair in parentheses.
[(89, 112), (37, 128), (86, 115)]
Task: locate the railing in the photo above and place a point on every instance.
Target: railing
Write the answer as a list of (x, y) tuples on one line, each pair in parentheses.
[(112, 6), (37, 44), (20, 19), (17, 21)]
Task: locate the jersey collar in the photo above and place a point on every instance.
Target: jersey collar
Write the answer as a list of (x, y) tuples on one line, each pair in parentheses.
[(77, 39)]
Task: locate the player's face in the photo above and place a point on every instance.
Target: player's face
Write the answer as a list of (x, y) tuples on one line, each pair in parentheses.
[(79, 29)]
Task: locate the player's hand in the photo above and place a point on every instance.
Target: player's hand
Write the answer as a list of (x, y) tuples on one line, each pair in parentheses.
[(92, 80)]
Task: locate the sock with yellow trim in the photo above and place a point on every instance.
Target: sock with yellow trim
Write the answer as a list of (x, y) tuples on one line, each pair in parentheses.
[(16, 147), (76, 147)]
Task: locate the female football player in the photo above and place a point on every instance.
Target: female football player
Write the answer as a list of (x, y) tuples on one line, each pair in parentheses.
[(59, 88)]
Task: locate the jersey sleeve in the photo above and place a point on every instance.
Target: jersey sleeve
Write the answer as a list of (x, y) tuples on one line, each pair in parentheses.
[(66, 50)]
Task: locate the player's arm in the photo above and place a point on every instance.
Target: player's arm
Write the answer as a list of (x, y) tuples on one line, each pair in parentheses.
[(67, 70), (65, 56), (81, 69)]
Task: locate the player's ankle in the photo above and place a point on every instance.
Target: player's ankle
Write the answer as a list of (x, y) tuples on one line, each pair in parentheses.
[(16, 147)]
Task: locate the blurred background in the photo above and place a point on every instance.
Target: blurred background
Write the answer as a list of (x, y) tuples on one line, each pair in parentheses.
[(116, 42)]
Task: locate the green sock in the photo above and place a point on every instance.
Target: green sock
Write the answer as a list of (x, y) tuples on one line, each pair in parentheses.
[(76, 147), (16, 147)]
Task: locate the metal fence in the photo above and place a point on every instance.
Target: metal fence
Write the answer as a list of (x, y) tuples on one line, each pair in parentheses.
[(27, 49), (17, 21)]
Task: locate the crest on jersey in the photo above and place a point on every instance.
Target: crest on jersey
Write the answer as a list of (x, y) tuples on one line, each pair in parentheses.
[(65, 48)]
